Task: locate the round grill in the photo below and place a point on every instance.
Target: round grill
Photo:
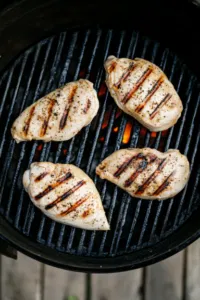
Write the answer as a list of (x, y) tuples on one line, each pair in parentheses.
[(135, 224)]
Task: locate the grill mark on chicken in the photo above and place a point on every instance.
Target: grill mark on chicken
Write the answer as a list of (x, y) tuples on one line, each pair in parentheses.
[(86, 213), (161, 104), (74, 207), (41, 176), (150, 94), (141, 167), (67, 108), (126, 74), (51, 187), (46, 122), (112, 67), (88, 104), (140, 81), (142, 188), (26, 127), (164, 185), (65, 195), (125, 164)]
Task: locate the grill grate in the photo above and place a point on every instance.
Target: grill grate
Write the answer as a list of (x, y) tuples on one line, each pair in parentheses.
[(135, 224)]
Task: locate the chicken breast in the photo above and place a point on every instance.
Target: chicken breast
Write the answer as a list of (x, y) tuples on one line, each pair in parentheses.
[(59, 115), (142, 90), (146, 173), (65, 194)]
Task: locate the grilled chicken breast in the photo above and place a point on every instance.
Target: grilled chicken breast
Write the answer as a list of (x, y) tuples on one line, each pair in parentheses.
[(142, 90), (146, 173), (66, 194), (59, 115)]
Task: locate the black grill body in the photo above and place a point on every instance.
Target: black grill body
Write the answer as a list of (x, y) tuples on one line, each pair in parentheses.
[(142, 231)]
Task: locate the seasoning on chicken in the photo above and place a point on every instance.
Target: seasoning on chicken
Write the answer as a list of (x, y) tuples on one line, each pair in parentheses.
[(142, 90), (146, 173), (59, 115), (66, 194)]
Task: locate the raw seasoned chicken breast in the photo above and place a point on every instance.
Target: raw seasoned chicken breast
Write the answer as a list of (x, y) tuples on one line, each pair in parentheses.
[(66, 194), (146, 173), (59, 115), (142, 90)]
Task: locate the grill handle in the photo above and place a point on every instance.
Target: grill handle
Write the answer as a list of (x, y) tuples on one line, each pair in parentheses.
[(6, 249)]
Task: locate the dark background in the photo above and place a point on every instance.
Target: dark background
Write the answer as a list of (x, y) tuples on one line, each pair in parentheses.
[(176, 24)]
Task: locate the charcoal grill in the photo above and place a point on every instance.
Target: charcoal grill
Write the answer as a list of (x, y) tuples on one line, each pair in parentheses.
[(142, 232)]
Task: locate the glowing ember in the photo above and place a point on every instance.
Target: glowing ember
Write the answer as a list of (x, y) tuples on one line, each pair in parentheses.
[(102, 90), (64, 151), (118, 114), (82, 73), (127, 133), (101, 139), (39, 147), (164, 133), (143, 131), (106, 119), (153, 134), (116, 129)]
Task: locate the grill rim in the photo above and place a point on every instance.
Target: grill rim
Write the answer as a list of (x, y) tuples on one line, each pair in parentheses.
[(120, 263), (66, 260)]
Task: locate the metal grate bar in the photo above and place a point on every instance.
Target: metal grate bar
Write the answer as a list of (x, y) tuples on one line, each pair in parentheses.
[(22, 153), (85, 136), (163, 65), (46, 148), (24, 145), (63, 80), (12, 143), (145, 223), (99, 33), (189, 92), (13, 101), (18, 214), (135, 218), (172, 128), (80, 154), (192, 161), (6, 90), (5, 169), (124, 207), (98, 129)]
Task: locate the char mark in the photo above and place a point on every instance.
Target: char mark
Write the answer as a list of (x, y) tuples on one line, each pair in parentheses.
[(143, 187), (161, 104), (150, 93), (26, 127), (126, 74), (125, 164), (86, 213), (41, 176), (164, 185), (67, 108), (46, 122), (51, 187), (88, 104), (74, 207), (140, 81), (112, 67), (65, 195), (141, 167)]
